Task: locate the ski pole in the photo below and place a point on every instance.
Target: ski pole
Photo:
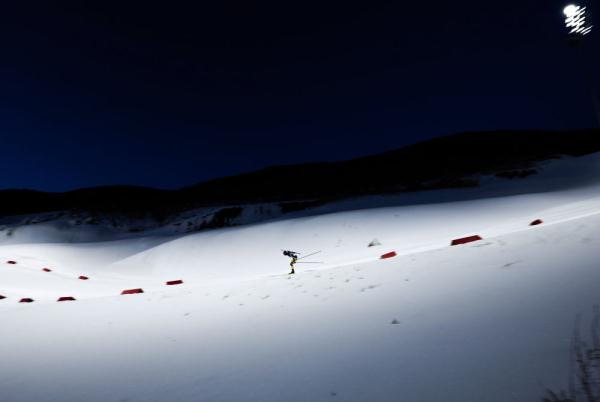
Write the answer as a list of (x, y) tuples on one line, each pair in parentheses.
[(308, 255)]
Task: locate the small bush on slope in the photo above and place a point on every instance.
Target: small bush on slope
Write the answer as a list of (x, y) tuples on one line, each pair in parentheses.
[(584, 370)]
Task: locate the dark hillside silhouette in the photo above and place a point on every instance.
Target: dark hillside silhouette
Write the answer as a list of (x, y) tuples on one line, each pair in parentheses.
[(444, 162)]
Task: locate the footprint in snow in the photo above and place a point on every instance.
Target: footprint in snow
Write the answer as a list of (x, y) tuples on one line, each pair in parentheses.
[(265, 297), (370, 287), (510, 264)]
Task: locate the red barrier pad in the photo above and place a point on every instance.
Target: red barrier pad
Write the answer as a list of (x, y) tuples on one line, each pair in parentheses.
[(177, 282), (26, 300), (465, 240), (132, 291), (66, 298), (83, 278), (536, 222), (11, 262), (388, 255), (46, 270)]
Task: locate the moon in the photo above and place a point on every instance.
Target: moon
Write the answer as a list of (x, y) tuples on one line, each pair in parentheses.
[(571, 10)]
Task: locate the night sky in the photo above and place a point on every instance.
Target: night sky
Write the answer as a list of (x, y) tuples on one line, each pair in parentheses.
[(172, 93)]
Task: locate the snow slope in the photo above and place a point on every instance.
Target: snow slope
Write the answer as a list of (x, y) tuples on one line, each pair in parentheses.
[(486, 321)]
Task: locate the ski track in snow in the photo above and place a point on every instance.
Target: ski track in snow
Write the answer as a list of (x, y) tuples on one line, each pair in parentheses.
[(485, 321)]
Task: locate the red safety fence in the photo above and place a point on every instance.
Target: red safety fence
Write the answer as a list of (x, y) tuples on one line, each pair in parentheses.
[(132, 291), (465, 240), (391, 254), (388, 255)]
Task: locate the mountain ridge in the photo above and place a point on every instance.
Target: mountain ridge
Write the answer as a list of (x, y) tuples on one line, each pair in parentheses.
[(443, 162)]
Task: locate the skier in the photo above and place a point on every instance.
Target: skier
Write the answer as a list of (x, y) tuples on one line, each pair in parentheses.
[(294, 256)]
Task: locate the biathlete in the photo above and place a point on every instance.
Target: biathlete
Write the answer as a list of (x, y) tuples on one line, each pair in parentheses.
[(294, 256)]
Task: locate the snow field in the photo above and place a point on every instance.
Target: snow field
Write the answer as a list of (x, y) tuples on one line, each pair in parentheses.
[(484, 321)]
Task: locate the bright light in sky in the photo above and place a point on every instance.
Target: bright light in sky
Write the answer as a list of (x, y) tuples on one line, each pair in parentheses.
[(571, 10), (576, 20)]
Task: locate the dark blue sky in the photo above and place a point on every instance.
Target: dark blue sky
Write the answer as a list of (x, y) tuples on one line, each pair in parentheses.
[(173, 93)]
